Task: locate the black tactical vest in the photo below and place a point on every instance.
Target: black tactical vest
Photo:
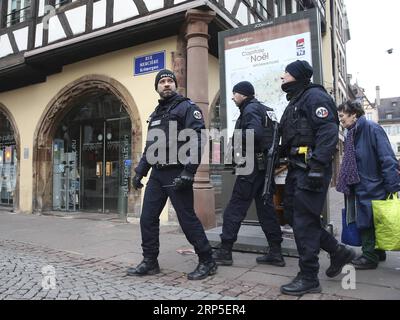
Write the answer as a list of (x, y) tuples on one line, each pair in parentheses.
[(161, 120), (296, 129)]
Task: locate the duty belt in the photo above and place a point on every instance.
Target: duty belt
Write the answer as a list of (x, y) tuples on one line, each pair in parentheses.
[(297, 163), (162, 166)]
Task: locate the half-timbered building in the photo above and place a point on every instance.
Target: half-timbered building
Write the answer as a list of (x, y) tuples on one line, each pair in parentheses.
[(77, 86)]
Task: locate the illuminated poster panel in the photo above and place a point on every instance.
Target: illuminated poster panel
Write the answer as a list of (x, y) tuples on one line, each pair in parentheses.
[(259, 53)]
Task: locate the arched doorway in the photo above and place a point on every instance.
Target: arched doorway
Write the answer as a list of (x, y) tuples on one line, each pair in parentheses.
[(9, 160), (86, 146), (92, 156)]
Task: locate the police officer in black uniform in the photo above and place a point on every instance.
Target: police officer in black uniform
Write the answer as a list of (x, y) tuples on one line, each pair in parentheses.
[(171, 178), (309, 128), (261, 119)]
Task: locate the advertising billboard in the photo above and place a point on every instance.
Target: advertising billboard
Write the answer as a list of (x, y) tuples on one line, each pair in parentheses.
[(259, 53)]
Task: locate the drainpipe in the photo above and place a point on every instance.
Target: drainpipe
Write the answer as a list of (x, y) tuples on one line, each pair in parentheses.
[(378, 96)]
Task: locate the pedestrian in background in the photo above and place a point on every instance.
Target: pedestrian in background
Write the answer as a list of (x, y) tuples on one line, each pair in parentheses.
[(260, 118), (309, 128), (171, 179), (369, 171)]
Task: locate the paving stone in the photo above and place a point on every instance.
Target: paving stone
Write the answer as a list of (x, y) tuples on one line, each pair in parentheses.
[(80, 278)]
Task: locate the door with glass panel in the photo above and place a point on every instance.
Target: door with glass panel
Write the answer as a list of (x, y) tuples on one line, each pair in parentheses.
[(92, 152), (105, 157)]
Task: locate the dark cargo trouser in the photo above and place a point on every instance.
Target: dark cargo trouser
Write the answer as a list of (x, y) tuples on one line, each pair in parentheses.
[(303, 207), (155, 198), (246, 189)]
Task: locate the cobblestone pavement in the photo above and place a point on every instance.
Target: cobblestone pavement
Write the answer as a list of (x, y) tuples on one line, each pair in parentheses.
[(79, 278)]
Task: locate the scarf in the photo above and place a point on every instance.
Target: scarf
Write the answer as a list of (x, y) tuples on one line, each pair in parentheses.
[(348, 174), (294, 87)]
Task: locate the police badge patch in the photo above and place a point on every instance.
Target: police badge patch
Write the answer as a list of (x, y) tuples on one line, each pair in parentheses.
[(197, 115), (322, 113)]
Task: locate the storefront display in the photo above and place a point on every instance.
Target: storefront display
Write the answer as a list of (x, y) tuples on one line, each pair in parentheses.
[(90, 153), (8, 162)]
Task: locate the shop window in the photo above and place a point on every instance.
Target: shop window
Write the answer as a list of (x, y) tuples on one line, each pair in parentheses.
[(8, 162), (92, 156)]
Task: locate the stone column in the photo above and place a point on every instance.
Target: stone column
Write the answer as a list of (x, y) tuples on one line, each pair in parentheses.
[(197, 90)]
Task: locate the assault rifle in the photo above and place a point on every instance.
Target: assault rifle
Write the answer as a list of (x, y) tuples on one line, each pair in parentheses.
[(269, 172)]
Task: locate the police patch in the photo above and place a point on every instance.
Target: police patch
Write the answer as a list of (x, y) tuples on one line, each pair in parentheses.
[(197, 115), (322, 112), (272, 115)]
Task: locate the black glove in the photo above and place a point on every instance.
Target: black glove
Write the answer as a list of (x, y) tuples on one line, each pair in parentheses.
[(136, 182), (184, 181), (315, 175)]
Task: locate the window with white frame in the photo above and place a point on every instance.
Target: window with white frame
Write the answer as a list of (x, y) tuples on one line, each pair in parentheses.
[(387, 130), (18, 11), (262, 7), (59, 3)]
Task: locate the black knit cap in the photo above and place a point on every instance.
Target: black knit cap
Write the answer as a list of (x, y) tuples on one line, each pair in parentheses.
[(245, 88), (300, 70), (163, 74)]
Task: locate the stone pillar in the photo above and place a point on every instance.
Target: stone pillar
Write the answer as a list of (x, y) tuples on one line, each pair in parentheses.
[(197, 90)]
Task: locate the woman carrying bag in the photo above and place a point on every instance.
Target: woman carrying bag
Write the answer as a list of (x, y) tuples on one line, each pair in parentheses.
[(369, 171)]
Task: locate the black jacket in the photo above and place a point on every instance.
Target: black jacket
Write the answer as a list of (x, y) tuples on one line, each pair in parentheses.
[(318, 108), (186, 115), (258, 117)]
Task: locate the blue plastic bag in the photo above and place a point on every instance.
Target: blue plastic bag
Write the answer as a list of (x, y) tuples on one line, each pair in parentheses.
[(350, 232)]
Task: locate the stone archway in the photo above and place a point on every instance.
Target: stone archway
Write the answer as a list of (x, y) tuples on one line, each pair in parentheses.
[(11, 119), (57, 108)]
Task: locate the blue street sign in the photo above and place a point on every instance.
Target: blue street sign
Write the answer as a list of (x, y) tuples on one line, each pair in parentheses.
[(149, 63)]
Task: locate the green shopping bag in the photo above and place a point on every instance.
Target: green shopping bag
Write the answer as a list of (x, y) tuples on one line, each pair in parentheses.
[(387, 222)]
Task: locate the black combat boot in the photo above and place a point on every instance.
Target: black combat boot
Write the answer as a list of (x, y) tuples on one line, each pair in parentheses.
[(300, 285), (203, 270), (146, 267), (339, 259), (381, 254), (223, 256), (363, 263), (273, 257)]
